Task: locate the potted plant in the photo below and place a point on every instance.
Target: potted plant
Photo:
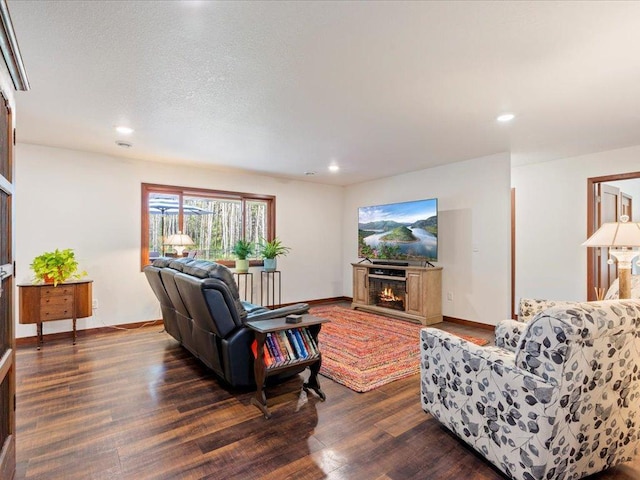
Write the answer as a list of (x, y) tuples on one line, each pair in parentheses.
[(242, 249), (270, 251), (56, 267)]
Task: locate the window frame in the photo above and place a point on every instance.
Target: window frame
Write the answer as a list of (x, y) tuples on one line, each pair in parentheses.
[(181, 192)]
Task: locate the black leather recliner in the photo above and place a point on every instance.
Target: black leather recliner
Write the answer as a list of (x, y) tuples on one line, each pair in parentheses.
[(201, 308)]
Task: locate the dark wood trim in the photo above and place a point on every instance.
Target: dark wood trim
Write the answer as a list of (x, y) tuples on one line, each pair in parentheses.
[(136, 325), (591, 182), (513, 253), (88, 331), (322, 301), (469, 323), (147, 188)]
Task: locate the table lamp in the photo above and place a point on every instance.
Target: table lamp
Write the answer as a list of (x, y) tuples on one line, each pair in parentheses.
[(620, 237), (178, 241)]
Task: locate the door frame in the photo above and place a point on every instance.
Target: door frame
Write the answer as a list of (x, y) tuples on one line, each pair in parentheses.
[(591, 182)]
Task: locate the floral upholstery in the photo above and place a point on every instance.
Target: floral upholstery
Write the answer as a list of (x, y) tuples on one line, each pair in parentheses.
[(530, 307), (508, 333), (565, 403), (613, 291)]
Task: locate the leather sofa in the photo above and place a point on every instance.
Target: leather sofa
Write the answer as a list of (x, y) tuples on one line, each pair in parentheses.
[(559, 399), (202, 310)]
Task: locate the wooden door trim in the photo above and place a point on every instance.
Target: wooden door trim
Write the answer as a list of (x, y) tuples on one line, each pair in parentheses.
[(6, 363), (591, 219), (513, 254)]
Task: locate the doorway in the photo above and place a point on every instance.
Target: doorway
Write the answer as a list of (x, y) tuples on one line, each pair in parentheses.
[(608, 197)]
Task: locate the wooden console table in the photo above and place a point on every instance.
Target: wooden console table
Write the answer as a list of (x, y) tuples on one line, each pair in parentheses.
[(417, 289), (261, 371), (44, 302)]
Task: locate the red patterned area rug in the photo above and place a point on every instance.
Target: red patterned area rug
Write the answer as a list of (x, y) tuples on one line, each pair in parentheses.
[(364, 351)]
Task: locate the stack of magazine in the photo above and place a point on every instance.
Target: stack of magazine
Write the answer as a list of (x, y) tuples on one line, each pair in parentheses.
[(287, 346)]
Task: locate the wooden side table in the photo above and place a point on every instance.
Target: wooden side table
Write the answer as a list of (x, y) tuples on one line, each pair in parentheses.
[(261, 371), (44, 302)]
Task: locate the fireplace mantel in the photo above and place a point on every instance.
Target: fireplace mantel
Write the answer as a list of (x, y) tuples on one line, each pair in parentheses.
[(416, 291)]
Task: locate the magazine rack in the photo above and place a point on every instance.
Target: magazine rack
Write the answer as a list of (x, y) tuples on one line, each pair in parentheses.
[(264, 331)]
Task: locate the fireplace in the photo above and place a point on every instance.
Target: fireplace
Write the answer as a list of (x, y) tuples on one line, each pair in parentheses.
[(387, 293)]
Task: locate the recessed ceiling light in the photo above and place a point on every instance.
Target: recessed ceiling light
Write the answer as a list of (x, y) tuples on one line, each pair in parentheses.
[(120, 143), (334, 168), (506, 117), (124, 130)]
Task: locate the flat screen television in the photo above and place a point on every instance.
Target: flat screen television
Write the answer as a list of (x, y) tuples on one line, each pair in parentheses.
[(399, 232)]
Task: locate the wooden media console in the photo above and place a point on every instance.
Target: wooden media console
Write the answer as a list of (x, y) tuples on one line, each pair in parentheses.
[(407, 292)]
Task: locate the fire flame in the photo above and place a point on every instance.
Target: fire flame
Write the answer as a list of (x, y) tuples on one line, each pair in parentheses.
[(387, 295)]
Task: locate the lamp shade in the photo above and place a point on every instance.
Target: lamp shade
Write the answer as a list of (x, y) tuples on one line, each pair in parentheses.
[(614, 234), (179, 239)]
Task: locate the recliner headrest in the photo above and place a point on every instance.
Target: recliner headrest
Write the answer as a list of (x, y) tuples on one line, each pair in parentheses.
[(181, 263), (162, 262), (206, 269)]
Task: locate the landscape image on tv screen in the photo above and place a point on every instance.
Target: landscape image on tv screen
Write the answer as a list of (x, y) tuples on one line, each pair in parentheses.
[(399, 231)]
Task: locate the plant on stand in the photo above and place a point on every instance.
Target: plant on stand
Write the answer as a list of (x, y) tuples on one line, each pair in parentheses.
[(270, 251), (56, 267), (242, 249)]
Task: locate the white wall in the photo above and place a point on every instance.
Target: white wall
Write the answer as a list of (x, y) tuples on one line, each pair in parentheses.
[(551, 221), (473, 230), (91, 203)]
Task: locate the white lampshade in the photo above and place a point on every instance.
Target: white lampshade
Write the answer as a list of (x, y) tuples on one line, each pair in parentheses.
[(616, 234), (178, 241), (620, 238)]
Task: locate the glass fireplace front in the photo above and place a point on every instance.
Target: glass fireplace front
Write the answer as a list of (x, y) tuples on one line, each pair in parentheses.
[(387, 293)]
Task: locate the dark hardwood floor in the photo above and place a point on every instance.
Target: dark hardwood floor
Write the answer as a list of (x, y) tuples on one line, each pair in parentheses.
[(135, 405)]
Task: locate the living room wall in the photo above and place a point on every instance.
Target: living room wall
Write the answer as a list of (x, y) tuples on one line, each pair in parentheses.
[(551, 221), (473, 230), (91, 203)]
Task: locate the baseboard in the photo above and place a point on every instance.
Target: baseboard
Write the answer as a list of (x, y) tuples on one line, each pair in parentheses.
[(312, 303), (132, 326), (459, 321), (469, 323), (322, 301), (85, 332)]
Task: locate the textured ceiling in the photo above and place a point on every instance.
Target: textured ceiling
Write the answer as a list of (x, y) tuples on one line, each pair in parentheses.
[(282, 88)]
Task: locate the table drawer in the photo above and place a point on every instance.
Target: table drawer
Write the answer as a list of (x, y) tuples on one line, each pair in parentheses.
[(56, 300), (56, 312), (56, 291)]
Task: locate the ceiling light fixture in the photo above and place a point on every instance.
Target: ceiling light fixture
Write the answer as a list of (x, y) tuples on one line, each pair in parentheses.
[(124, 130), (334, 168), (506, 117)]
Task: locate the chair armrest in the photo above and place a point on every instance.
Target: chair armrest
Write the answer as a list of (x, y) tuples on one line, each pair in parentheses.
[(508, 333), (252, 307), (298, 309)]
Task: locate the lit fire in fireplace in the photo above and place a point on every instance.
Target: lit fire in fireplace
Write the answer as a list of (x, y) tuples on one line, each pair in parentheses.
[(387, 295)]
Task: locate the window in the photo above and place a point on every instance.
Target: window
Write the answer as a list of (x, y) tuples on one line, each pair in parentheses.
[(215, 221)]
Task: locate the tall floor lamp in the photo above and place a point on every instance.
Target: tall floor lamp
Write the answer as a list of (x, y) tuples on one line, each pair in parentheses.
[(620, 237)]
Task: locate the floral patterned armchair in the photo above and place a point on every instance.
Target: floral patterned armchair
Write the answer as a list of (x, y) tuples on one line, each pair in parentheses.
[(562, 403)]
